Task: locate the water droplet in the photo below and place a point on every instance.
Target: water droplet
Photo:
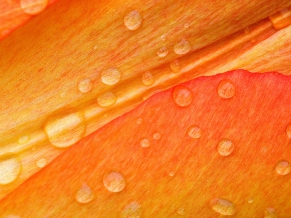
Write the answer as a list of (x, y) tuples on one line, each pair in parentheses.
[(288, 130), (181, 211), (147, 78), (85, 85), (175, 66), (23, 139), (172, 174), (194, 132), (133, 20), (114, 182), (182, 47), (63, 94), (10, 168), (157, 135), (132, 210), (226, 88), (33, 6), (41, 162), (186, 25), (283, 167), (182, 96), (107, 99), (163, 37), (139, 120), (65, 130), (162, 52), (270, 213), (250, 200), (144, 142), (85, 194), (95, 47), (223, 206), (225, 147), (110, 76)]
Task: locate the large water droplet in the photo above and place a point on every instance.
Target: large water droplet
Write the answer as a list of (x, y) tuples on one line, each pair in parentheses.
[(41, 162), (144, 142), (10, 168), (65, 130), (114, 182), (147, 78), (283, 167), (85, 85), (162, 52), (23, 139), (226, 88), (225, 147), (288, 130), (182, 47), (85, 194), (194, 132), (107, 99), (133, 20), (223, 206), (110, 76), (182, 96), (33, 6), (132, 210), (175, 66), (270, 213)]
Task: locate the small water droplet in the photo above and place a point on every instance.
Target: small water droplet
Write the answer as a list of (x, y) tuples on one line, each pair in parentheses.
[(283, 167), (175, 66), (171, 174), (147, 78), (110, 76), (139, 121), (223, 206), (10, 168), (133, 20), (41, 162), (33, 7), (182, 47), (65, 130), (163, 37), (107, 99), (288, 130), (226, 88), (181, 211), (85, 194), (63, 94), (194, 132), (114, 182), (182, 96), (186, 25), (250, 200), (95, 47), (23, 139), (144, 142), (270, 213), (157, 135), (225, 147), (85, 85), (132, 210), (162, 52)]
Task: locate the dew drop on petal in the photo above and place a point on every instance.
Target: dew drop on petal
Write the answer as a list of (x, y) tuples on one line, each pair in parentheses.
[(181, 211), (194, 132), (85, 85), (225, 147), (182, 96), (132, 20), (182, 47), (226, 88), (107, 99), (288, 130), (162, 52), (41, 162), (270, 213), (283, 167), (110, 76), (186, 25), (132, 210), (157, 135), (114, 182), (85, 194), (163, 37), (10, 168), (171, 174), (147, 78), (175, 66), (139, 121), (250, 200), (23, 139), (223, 206), (33, 7), (145, 142)]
